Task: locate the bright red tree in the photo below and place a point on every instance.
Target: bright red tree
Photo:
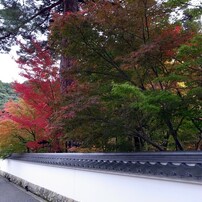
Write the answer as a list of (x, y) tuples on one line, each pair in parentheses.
[(40, 94)]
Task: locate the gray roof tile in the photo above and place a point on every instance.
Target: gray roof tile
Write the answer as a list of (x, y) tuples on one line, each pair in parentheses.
[(175, 165)]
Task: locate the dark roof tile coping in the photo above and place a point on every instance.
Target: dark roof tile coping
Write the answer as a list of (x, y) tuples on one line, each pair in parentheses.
[(175, 165)]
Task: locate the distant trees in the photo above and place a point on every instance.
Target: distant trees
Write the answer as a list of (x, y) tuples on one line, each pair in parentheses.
[(6, 93)]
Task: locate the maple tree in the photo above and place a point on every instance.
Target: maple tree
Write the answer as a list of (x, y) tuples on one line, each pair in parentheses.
[(42, 107), (40, 96), (23, 117), (132, 48), (9, 141), (27, 18)]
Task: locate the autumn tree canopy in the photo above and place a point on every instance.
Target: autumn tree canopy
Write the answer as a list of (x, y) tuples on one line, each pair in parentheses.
[(133, 49), (27, 18), (39, 98), (132, 73)]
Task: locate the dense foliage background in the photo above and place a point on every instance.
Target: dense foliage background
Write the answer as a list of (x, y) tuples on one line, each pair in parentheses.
[(129, 77)]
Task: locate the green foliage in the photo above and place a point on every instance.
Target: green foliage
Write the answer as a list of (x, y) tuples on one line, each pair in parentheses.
[(26, 19), (189, 11), (12, 147), (193, 50), (6, 93), (176, 2), (126, 90)]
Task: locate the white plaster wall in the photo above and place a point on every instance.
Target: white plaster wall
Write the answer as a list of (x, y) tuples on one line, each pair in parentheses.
[(87, 186)]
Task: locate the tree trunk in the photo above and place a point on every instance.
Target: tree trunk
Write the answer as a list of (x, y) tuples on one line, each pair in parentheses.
[(174, 135), (137, 144), (66, 62)]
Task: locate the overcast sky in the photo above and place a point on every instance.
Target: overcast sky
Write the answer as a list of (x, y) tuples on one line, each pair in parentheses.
[(9, 70)]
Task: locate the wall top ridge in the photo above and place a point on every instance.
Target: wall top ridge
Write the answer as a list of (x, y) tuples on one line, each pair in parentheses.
[(173, 165)]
